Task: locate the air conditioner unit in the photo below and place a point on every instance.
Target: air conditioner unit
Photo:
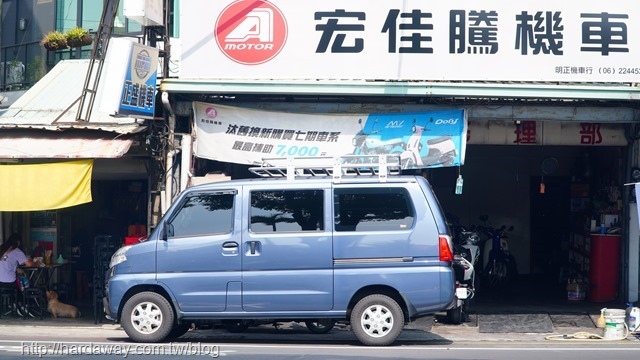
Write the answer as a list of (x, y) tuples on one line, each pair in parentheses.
[(144, 12)]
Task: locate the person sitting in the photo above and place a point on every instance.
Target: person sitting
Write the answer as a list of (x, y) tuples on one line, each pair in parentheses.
[(11, 256)]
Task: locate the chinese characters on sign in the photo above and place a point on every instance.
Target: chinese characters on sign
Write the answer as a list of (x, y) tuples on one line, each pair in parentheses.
[(525, 132), (545, 133), (590, 134), (274, 134), (141, 96), (413, 40), (475, 31)]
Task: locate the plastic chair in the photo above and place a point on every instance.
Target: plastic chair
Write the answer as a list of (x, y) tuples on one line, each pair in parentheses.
[(34, 302), (8, 301)]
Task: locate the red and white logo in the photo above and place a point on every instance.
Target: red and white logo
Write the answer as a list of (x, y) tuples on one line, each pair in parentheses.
[(211, 112), (251, 32)]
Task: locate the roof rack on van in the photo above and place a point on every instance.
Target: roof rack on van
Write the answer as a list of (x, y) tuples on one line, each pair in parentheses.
[(335, 167)]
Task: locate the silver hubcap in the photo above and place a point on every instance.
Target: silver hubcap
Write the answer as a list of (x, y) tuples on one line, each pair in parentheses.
[(146, 318), (377, 321)]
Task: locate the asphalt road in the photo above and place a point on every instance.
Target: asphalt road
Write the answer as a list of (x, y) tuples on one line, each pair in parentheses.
[(110, 342), (68, 349)]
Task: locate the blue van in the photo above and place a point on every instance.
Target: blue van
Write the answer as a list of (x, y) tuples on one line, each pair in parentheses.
[(369, 249)]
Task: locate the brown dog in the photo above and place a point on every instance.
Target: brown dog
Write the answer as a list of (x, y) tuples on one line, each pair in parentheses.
[(59, 309)]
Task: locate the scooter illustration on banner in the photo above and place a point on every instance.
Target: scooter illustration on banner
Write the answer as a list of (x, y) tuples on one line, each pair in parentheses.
[(419, 141), (439, 151), (373, 141)]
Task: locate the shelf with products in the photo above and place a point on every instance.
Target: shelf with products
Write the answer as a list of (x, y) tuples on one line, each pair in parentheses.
[(594, 264), (43, 234), (579, 257)]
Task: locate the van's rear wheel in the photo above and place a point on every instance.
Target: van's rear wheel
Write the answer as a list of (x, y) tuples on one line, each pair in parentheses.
[(147, 317), (377, 320)]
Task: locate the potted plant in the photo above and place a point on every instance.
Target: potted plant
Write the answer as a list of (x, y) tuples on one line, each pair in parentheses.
[(54, 40), (78, 37)]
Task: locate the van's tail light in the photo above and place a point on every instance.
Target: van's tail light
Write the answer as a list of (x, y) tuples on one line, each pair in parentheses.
[(445, 249)]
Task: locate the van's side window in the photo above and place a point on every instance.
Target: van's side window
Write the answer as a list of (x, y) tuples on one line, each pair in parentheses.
[(203, 214), (286, 211), (372, 209)]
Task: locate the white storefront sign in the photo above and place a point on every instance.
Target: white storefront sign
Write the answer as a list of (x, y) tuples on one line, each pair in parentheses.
[(527, 40)]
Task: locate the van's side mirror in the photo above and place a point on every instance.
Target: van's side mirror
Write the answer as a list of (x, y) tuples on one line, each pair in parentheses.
[(167, 231)]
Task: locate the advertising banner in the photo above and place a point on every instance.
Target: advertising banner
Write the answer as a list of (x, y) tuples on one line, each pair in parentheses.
[(456, 40), (248, 136)]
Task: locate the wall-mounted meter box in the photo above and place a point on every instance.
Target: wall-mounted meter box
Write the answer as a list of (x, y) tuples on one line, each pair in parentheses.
[(144, 12)]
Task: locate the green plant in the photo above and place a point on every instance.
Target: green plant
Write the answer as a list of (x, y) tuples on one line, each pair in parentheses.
[(54, 40), (78, 37), (76, 33)]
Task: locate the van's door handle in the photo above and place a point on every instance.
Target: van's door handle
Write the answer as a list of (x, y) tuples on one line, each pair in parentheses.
[(252, 245), (230, 248), (230, 245)]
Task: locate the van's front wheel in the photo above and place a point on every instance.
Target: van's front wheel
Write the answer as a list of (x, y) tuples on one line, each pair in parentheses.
[(147, 317), (377, 320)]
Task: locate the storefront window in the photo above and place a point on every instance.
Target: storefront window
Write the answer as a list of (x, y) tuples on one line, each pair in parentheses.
[(91, 13), (66, 14)]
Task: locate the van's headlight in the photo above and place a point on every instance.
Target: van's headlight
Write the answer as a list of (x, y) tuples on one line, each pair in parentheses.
[(119, 256)]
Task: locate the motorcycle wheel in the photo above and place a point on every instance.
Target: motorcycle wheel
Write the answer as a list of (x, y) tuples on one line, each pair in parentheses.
[(497, 273), (455, 315)]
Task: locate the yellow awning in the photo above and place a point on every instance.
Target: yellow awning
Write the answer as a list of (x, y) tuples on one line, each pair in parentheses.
[(47, 186)]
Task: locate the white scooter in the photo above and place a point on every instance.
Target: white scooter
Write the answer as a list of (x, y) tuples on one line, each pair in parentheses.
[(466, 257)]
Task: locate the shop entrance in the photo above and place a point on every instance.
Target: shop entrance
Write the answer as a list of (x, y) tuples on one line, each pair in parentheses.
[(550, 228)]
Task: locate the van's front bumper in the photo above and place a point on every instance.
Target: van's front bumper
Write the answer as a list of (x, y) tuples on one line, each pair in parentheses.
[(107, 311)]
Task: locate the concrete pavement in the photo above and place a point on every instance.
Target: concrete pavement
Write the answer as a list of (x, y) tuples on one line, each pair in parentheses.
[(428, 330)]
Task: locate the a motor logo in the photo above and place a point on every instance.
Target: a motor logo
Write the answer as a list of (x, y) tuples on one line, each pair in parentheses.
[(251, 32)]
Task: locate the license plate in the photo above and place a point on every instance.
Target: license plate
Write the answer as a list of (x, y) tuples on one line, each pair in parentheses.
[(461, 293)]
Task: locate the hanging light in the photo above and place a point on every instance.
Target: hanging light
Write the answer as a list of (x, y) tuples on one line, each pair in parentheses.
[(22, 24)]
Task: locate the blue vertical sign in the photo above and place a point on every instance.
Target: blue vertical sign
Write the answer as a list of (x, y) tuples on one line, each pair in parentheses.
[(139, 87)]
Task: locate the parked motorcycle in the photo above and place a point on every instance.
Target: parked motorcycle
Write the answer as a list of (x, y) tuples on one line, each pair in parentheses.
[(466, 250), (499, 266)]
